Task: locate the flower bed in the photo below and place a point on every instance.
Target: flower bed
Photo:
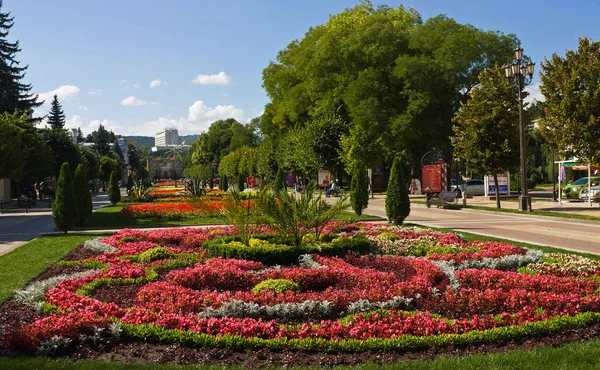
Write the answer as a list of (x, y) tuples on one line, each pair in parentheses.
[(416, 289), (171, 211)]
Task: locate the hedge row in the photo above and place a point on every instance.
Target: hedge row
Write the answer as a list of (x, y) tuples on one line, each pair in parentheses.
[(154, 333), (285, 253)]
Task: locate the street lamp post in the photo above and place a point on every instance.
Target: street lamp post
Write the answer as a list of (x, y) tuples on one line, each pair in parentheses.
[(521, 74)]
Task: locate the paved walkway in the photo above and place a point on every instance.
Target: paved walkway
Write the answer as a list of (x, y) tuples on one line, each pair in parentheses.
[(557, 232)]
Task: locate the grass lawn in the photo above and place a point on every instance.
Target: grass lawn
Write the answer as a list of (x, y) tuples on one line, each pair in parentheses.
[(33, 258)]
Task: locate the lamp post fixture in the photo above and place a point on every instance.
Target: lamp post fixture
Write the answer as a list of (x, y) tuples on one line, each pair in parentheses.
[(521, 75)]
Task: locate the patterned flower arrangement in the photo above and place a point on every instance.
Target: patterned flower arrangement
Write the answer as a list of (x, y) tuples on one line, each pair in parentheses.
[(177, 210), (447, 293)]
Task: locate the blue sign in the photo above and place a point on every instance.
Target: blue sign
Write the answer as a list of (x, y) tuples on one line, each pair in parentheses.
[(503, 188)]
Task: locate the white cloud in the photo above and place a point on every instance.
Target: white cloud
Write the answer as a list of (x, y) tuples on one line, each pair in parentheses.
[(108, 125), (199, 118), (74, 122), (135, 86), (155, 83), (219, 79), (128, 85), (83, 107), (534, 93), (64, 92), (132, 101), (95, 92)]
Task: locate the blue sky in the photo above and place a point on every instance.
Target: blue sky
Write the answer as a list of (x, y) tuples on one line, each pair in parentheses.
[(101, 57)]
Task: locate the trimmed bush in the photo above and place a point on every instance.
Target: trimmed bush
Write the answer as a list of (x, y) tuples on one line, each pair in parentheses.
[(276, 285), (240, 182), (114, 193), (279, 180), (223, 183), (397, 202), (64, 209), (129, 182), (359, 191), (155, 254), (82, 194), (285, 253)]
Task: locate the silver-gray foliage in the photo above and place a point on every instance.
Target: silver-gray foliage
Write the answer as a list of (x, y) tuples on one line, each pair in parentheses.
[(364, 305), (504, 263), (302, 310), (32, 295), (97, 246), (307, 261)]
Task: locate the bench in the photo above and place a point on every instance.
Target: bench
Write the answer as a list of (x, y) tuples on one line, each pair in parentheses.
[(441, 199)]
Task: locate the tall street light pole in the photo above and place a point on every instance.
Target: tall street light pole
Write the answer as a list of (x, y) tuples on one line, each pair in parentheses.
[(521, 74)]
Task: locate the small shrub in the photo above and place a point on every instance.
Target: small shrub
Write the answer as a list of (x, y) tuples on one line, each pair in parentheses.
[(397, 202), (82, 194), (388, 236), (64, 209), (114, 193), (240, 182), (276, 285), (155, 254), (359, 191)]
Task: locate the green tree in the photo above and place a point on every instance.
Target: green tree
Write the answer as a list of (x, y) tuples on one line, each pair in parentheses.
[(82, 194), (571, 86), (56, 118), (64, 209), (92, 165), (229, 165), (487, 127), (102, 139), (223, 185), (359, 191), (114, 192), (108, 165), (397, 202), (63, 149), (12, 145), (14, 94)]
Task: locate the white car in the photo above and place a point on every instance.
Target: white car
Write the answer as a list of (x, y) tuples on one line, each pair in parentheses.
[(472, 187), (584, 193)]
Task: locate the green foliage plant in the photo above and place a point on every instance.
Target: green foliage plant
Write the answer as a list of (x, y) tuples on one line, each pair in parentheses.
[(139, 190), (155, 254), (276, 285), (359, 191), (297, 214), (114, 193), (240, 182), (279, 180), (397, 202), (64, 208), (223, 183), (82, 194)]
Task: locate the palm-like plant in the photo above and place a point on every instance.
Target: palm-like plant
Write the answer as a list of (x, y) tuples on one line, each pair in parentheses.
[(139, 190), (297, 215)]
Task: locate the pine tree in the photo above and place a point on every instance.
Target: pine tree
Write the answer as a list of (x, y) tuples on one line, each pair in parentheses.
[(56, 117), (64, 209), (240, 182), (279, 180), (80, 138), (14, 94), (359, 191), (397, 202), (82, 194), (114, 193)]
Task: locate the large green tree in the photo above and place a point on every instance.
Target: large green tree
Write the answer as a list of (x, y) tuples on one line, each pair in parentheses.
[(12, 145), (14, 94), (82, 194), (487, 127), (56, 118), (571, 86), (63, 149)]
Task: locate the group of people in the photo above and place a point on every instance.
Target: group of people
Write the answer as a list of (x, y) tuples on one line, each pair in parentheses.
[(333, 190)]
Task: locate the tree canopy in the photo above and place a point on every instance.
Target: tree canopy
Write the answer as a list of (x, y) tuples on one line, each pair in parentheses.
[(56, 118), (571, 86)]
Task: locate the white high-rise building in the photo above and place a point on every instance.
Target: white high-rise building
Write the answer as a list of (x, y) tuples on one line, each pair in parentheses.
[(168, 137)]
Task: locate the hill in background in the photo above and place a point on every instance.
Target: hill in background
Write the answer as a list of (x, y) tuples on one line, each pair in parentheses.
[(149, 140)]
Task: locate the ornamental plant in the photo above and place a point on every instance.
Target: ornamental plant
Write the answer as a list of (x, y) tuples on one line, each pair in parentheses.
[(397, 202), (279, 180), (359, 191), (240, 183), (276, 285), (223, 183), (82, 194), (114, 193), (65, 208)]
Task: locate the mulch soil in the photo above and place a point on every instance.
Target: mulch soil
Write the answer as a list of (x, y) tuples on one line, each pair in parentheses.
[(13, 314)]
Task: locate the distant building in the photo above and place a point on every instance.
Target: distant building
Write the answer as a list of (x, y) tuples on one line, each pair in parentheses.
[(73, 133), (168, 137), (165, 168)]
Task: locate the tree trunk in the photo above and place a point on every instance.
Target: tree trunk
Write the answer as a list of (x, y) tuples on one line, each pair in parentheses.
[(497, 190)]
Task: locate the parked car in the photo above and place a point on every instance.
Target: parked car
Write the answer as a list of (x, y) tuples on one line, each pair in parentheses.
[(472, 187), (572, 190), (594, 191)]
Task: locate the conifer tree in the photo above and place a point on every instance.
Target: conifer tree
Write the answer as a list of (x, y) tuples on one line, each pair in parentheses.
[(56, 117), (82, 194), (279, 180), (397, 202), (223, 183), (64, 209), (14, 94), (114, 193), (240, 182), (359, 191)]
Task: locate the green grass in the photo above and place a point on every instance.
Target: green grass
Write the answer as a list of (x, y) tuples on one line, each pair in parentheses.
[(573, 356), (108, 217), (351, 216), (28, 261)]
